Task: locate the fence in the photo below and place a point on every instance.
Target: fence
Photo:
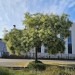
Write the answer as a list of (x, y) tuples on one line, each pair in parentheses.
[(52, 56)]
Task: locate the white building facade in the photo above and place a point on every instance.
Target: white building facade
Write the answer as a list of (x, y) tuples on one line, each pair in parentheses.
[(69, 48)]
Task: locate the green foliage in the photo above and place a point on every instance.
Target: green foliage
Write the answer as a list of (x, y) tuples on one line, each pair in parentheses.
[(40, 29), (5, 55), (5, 71), (49, 26), (36, 66), (53, 70), (13, 41)]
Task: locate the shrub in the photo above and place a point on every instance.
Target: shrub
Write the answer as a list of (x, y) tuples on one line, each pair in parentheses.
[(36, 66), (5, 55)]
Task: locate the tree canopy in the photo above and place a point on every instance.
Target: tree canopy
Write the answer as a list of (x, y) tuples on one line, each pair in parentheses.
[(40, 29), (49, 26), (13, 41)]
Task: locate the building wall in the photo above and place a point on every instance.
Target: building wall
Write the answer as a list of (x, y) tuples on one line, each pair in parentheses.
[(73, 38), (65, 54), (2, 48), (66, 46)]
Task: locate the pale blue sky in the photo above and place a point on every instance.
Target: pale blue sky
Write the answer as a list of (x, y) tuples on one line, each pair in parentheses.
[(12, 11)]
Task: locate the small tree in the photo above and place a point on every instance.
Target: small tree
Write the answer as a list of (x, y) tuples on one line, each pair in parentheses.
[(44, 28), (13, 41), (40, 29)]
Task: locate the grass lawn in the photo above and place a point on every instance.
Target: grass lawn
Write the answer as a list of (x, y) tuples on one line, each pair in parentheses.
[(50, 70)]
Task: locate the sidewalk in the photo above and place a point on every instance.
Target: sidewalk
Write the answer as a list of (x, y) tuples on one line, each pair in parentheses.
[(24, 62)]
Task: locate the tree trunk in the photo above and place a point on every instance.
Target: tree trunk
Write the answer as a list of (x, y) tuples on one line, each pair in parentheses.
[(36, 58)]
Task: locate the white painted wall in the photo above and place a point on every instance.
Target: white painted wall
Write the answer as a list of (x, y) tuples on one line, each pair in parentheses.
[(42, 48), (66, 46), (73, 38)]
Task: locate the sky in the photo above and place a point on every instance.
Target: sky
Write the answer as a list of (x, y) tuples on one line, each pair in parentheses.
[(12, 11)]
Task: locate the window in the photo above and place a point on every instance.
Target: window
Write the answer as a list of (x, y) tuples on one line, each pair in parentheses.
[(46, 50), (69, 40), (69, 48), (39, 49), (70, 44)]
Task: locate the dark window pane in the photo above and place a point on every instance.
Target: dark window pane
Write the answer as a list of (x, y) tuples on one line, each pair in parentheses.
[(39, 49), (70, 44), (46, 50), (70, 48)]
